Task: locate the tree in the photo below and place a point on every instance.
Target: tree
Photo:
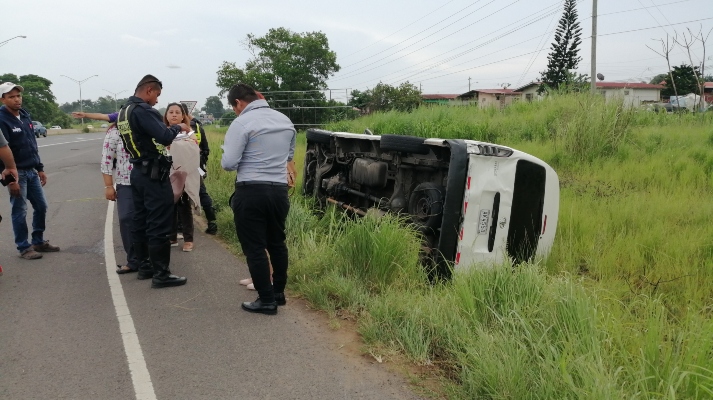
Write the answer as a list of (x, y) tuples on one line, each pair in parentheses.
[(384, 97), (563, 56), (360, 99), (38, 99), (214, 106), (282, 60), (656, 80), (685, 78)]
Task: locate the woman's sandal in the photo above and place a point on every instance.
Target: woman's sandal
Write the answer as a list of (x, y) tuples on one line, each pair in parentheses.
[(124, 269)]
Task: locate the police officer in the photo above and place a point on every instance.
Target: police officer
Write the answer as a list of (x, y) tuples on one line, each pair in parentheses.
[(206, 200), (145, 136)]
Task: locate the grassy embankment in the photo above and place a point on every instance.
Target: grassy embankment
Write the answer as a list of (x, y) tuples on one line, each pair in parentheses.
[(621, 309)]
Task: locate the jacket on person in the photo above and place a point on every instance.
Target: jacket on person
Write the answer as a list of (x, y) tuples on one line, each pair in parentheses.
[(143, 131), (202, 140), (21, 137)]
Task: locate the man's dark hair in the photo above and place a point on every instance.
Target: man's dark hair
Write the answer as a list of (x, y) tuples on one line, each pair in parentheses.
[(149, 80), (242, 92)]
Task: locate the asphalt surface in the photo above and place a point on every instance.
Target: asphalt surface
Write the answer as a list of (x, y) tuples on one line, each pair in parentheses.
[(60, 336)]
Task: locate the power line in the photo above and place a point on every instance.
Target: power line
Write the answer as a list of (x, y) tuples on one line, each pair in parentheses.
[(652, 27), (536, 18), (413, 36), (386, 37), (652, 16), (541, 45), (477, 58), (355, 73), (659, 10), (636, 9)]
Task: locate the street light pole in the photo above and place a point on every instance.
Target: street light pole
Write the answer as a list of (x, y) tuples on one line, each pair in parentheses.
[(80, 92), (116, 107), (4, 42)]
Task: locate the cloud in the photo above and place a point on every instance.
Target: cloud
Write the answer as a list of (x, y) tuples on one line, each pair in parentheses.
[(167, 32), (137, 41), (173, 66)]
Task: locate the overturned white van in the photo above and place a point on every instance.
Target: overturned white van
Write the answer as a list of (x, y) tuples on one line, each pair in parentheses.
[(475, 203)]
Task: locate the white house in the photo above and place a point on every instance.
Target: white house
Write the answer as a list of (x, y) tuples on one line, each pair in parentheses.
[(634, 94)]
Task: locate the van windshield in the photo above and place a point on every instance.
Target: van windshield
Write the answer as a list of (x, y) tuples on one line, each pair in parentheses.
[(526, 214)]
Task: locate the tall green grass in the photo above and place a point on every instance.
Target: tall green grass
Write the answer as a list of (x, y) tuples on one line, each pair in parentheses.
[(622, 307)]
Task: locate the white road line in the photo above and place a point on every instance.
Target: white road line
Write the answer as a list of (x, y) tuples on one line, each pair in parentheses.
[(76, 141), (143, 387)]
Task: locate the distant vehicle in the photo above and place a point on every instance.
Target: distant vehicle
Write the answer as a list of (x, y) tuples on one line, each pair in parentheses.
[(39, 129), (104, 125), (56, 127)]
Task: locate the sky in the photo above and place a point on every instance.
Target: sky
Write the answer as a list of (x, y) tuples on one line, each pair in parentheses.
[(444, 46)]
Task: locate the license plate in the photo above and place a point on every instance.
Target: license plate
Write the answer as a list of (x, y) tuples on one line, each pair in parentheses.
[(483, 221)]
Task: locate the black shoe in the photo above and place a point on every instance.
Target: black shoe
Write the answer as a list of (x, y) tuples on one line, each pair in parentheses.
[(144, 274), (258, 306), (280, 299), (171, 280), (212, 228)]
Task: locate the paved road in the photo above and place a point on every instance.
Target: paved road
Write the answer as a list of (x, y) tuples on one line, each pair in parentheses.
[(70, 328)]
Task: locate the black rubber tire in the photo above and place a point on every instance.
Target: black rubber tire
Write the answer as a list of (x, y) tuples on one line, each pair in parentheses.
[(404, 144), (425, 205), (319, 136)]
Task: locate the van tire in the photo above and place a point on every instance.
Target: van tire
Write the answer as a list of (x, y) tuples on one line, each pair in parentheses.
[(319, 136), (426, 206), (404, 144)]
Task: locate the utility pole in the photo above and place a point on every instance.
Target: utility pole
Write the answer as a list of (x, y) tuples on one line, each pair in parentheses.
[(593, 72), (80, 92), (469, 84)]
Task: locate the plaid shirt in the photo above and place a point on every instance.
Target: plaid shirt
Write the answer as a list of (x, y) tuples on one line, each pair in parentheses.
[(113, 150)]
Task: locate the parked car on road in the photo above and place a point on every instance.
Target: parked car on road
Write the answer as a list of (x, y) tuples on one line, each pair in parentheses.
[(56, 127), (39, 129), (104, 125), (475, 203)]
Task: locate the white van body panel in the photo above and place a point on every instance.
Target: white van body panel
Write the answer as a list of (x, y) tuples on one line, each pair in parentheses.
[(487, 176)]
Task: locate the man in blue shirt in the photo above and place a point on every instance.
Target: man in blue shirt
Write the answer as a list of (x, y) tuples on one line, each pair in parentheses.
[(16, 127), (258, 145)]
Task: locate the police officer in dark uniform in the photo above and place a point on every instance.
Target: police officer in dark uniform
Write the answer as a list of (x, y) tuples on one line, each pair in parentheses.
[(145, 136), (206, 200)]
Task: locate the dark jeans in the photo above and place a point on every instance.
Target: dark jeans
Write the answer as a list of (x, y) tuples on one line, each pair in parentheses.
[(125, 208), (184, 212), (260, 212), (30, 190), (153, 209)]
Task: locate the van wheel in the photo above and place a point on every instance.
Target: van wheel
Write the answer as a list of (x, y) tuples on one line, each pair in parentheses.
[(426, 206), (405, 144), (319, 136)]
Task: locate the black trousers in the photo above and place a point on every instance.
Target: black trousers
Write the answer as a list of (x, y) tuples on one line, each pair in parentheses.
[(183, 211), (206, 200), (125, 207), (260, 212), (153, 208)]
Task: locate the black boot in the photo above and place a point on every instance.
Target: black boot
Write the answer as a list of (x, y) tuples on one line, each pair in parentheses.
[(141, 249), (210, 216), (160, 259)]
